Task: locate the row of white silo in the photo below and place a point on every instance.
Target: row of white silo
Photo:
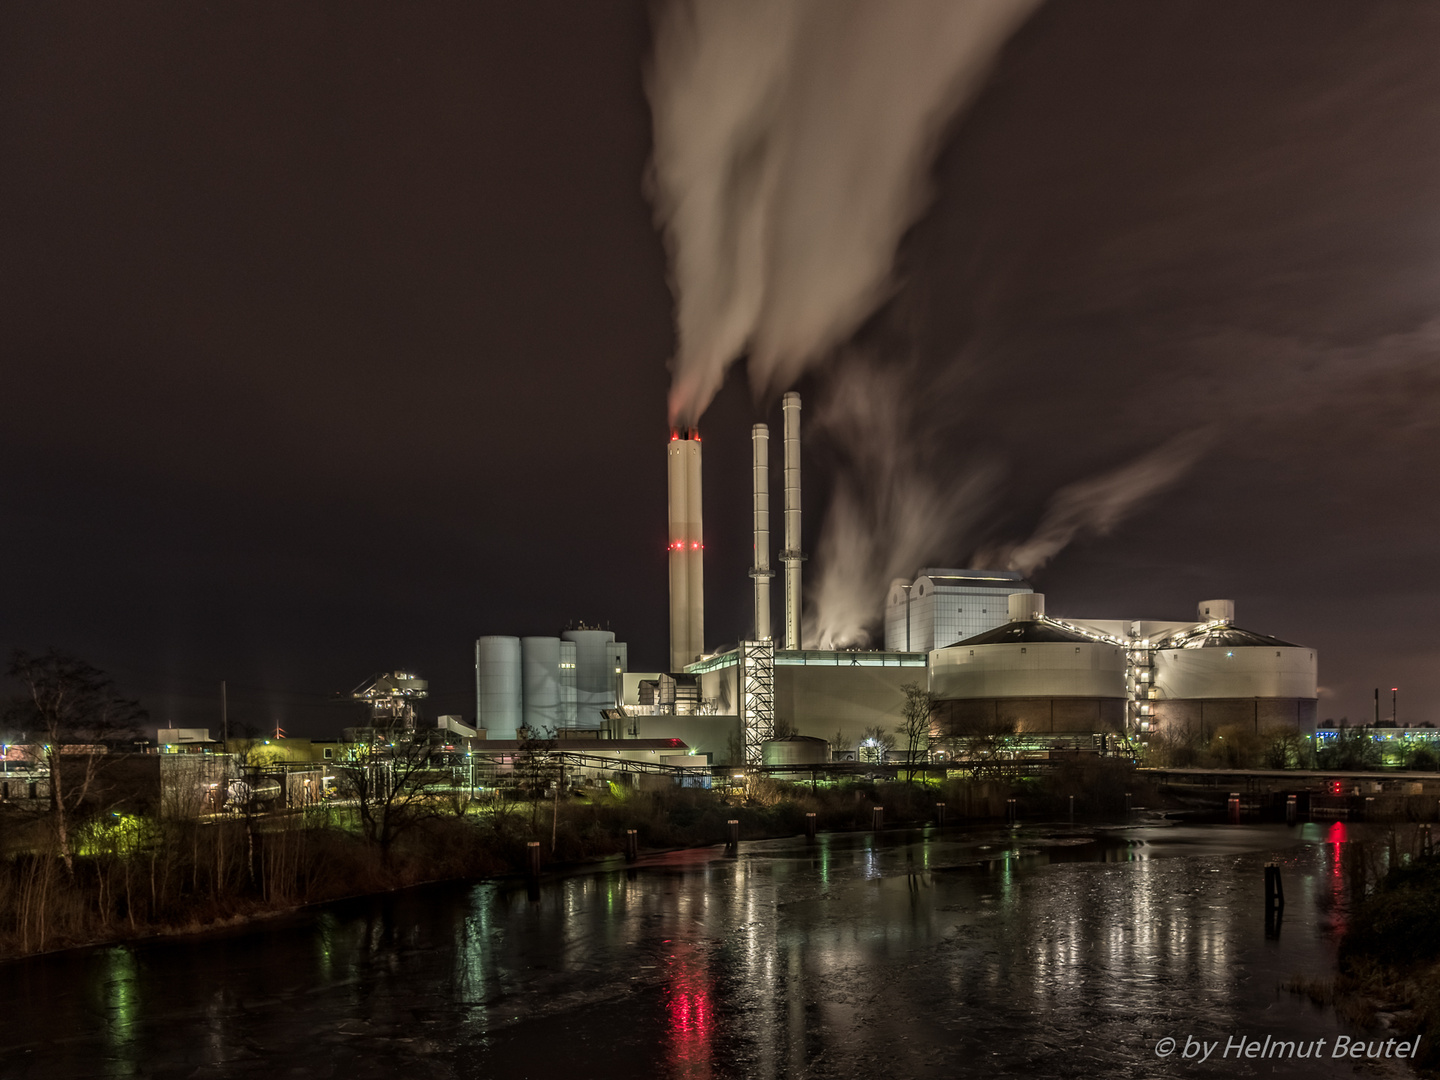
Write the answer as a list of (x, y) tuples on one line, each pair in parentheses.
[(546, 684)]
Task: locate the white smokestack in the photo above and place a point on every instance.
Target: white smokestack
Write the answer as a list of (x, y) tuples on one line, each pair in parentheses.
[(687, 550), (791, 556), (760, 571)]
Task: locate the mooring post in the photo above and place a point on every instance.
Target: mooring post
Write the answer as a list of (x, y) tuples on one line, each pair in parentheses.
[(632, 845), (1291, 804), (1127, 802), (810, 826), (1369, 810), (1012, 811), (533, 853), (1274, 888), (877, 818), (1234, 808), (940, 814), (1072, 809), (732, 834)]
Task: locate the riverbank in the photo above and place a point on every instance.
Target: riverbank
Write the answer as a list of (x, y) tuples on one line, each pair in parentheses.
[(1390, 958), (134, 878)]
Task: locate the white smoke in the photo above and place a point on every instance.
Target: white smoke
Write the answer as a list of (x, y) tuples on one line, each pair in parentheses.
[(888, 513), (1098, 504), (792, 146)]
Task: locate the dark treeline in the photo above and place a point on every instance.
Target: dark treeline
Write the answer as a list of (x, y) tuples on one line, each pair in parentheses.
[(144, 873)]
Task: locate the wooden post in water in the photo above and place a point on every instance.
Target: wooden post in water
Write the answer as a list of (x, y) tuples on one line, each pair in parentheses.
[(810, 826), (940, 814), (1234, 808), (1072, 809), (1274, 900), (877, 818), (632, 845), (1012, 812), (532, 850), (1274, 888), (1127, 802), (1291, 803), (732, 834), (1368, 813)]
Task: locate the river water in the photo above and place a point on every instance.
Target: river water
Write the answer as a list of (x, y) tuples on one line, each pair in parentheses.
[(1032, 952)]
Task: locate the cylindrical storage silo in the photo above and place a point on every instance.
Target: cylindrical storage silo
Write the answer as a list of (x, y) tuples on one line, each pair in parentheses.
[(540, 682), (1026, 607), (497, 686), (1229, 676), (594, 674), (1029, 676)]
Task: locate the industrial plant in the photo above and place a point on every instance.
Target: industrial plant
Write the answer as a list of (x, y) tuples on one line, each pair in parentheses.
[(979, 642)]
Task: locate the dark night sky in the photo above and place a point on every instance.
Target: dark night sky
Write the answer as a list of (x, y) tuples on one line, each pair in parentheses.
[(335, 334)]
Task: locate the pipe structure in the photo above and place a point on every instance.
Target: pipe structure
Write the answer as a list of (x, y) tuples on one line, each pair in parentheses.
[(791, 556), (687, 550), (760, 570)]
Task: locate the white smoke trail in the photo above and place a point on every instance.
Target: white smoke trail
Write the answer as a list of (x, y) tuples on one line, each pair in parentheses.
[(892, 509), (792, 145), (1098, 504)]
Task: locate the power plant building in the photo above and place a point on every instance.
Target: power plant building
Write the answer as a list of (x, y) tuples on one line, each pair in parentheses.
[(940, 607), (978, 640)]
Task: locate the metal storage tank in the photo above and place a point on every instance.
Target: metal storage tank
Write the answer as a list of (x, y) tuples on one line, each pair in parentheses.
[(497, 686), (1035, 672), (1221, 674), (540, 682), (795, 750), (1227, 662), (597, 655)]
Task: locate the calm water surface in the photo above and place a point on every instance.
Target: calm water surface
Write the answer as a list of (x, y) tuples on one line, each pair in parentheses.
[(1029, 952)]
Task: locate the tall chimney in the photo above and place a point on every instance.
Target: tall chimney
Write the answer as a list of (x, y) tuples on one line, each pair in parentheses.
[(760, 571), (687, 550), (791, 556)]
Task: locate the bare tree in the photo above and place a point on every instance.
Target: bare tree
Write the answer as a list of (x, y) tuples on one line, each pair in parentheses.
[(70, 712), (393, 780), (535, 767), (876, 744), (984, 743), (916, 725)]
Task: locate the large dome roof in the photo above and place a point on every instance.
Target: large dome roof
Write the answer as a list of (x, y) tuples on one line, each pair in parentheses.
[(1025, 631), (1224, 636)]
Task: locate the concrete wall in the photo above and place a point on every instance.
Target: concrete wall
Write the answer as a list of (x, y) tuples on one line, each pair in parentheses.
[(819, 701), (1205, 716), (1038, 715), (1061, 669)]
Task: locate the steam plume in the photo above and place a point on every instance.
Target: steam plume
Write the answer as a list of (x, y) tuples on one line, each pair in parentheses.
[(889, 513), (1098, 504), (792, 143)]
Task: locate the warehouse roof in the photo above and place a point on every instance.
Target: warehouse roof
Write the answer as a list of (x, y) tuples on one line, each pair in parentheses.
[(973, 579)]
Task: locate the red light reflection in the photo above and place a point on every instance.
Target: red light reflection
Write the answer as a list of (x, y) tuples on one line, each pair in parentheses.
[(692, 1014), (1335, 840)]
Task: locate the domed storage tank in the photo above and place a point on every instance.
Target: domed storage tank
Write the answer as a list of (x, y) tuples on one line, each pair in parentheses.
[(1033, 673), (497, 686), (1228, 675), (795, 750)]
